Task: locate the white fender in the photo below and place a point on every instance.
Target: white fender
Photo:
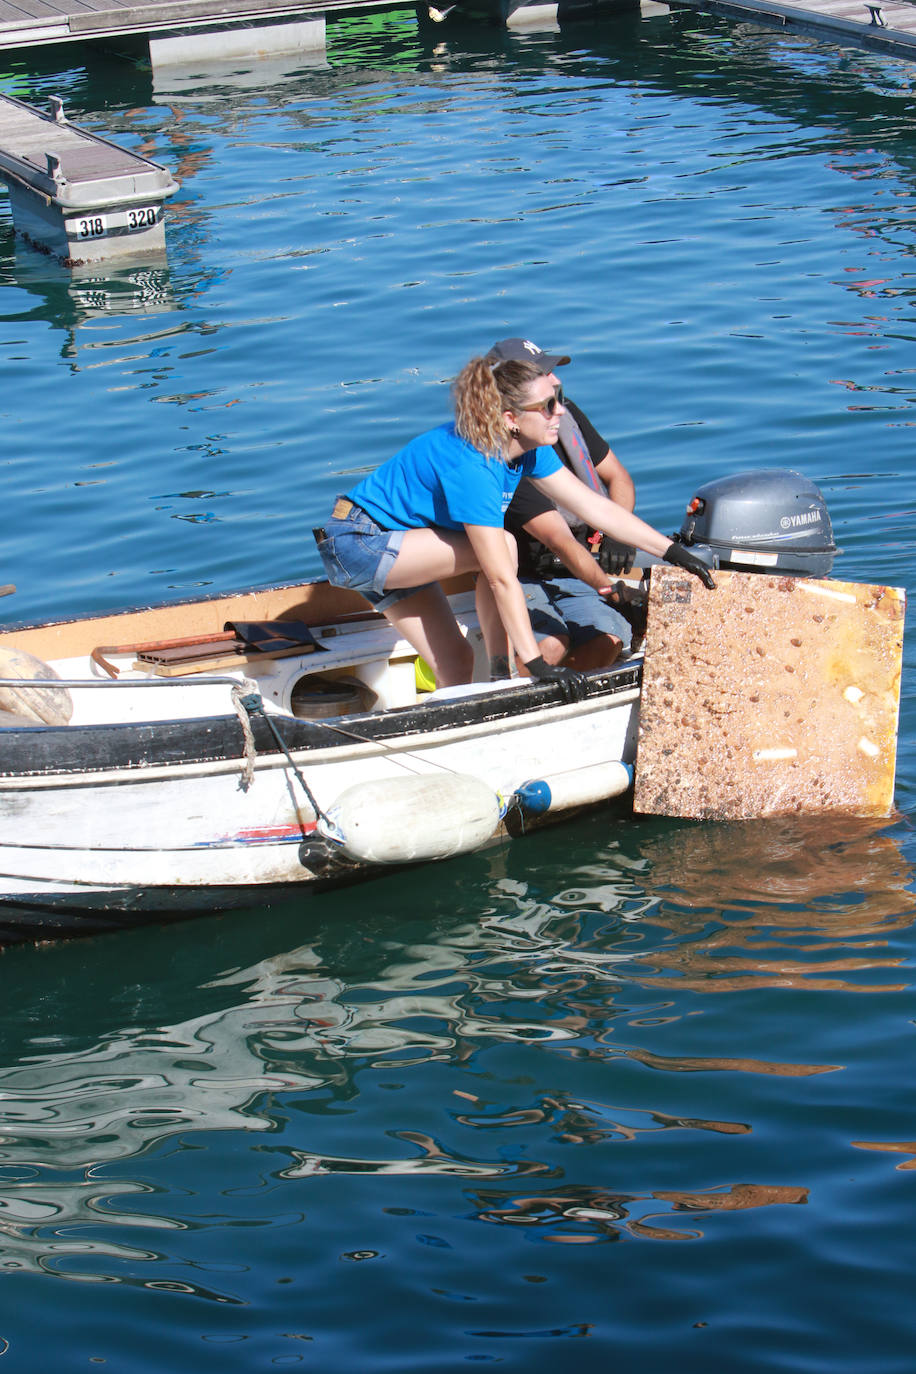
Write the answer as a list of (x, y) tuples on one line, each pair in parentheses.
[(579, 787), (401, 820)]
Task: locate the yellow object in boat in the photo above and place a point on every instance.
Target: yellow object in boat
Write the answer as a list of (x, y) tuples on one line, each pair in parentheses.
[(425, 680)]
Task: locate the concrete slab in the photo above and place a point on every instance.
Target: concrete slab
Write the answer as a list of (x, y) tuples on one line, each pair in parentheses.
[(768, 696)]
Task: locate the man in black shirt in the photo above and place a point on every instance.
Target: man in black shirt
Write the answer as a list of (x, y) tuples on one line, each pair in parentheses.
[(563, 565)]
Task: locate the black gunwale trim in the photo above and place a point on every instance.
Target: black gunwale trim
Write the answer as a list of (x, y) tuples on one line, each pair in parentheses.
[(48, 751)]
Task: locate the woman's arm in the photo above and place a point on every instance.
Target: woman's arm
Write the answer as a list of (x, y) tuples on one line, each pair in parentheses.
[(498, 567), (601, 514)]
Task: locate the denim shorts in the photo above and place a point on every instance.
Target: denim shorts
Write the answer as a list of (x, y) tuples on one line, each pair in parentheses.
[(566, 606), (358, 553)]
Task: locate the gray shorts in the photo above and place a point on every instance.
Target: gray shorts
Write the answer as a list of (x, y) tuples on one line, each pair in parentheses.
[(566, 606)]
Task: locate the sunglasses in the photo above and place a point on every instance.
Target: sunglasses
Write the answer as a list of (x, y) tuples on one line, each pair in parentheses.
[(548, 407)]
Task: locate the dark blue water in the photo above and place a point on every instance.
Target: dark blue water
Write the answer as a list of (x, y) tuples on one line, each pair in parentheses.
[(634, 1095)]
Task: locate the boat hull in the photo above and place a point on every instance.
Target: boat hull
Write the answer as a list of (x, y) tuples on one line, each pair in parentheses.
[(135, 820)]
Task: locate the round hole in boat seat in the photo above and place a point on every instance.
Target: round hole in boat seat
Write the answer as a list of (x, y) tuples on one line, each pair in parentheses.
[(314, 697), (40, 705)]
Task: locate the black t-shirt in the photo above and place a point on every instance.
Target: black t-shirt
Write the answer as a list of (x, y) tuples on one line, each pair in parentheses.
[(528, 502)]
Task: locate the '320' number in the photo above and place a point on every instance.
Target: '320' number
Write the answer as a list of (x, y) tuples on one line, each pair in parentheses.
[(141, 218)]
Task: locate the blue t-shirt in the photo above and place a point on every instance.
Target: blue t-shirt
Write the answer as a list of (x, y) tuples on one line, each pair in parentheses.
[(441, 479)]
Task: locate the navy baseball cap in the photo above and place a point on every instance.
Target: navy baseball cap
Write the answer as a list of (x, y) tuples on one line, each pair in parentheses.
[(524, 351)]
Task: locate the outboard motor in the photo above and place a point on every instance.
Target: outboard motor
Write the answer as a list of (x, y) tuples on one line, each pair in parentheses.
[(769, 520)]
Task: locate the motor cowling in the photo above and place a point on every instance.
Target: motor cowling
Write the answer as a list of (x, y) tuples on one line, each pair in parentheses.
[(768, 520)]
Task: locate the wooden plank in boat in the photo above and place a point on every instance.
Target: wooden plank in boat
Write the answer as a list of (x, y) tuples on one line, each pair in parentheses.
[(167, 666), (768, 696), (195, 653), (211, 655)]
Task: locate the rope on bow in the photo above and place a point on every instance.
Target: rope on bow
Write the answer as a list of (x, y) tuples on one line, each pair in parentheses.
[(248, 703)]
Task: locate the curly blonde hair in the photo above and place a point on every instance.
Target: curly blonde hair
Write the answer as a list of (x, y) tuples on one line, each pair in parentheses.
[(481, 394)]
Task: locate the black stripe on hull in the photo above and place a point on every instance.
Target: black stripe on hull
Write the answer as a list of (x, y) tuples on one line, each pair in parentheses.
[(44, 751)]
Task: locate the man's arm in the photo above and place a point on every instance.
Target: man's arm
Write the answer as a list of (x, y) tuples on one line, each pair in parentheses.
[(618, 481), (601, 514), (608, 466), (552, 530)]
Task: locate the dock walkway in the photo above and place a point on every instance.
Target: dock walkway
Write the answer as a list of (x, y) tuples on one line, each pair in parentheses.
[(181, 29), (883, 27), (178, 30), (25, 23)]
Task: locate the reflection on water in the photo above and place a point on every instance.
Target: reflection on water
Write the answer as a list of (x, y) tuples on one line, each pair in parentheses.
[(587, 1123), (427, 1157), (907, 1147), (582, 1216), (224, 83), (294, 1035), (812, 902), (723, 1064), (96, 292), (67, 297)]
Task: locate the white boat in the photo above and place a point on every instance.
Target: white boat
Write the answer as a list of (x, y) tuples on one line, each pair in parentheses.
[(239, 779), (153, 762)]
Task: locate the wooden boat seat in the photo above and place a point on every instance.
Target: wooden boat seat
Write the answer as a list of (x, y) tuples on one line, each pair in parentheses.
[(359, 644)]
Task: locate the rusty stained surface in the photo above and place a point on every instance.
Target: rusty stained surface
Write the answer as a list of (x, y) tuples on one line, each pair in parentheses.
[(768, 696)]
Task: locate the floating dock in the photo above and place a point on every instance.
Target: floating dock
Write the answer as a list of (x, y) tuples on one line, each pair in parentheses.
[(887, 28), (177, 32), (884, 27), (75, 195), (180, 31), (85, 199)]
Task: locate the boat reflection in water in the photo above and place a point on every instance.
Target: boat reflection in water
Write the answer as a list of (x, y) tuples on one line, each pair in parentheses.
[(808, 902), (587, 1215), (496, 980)]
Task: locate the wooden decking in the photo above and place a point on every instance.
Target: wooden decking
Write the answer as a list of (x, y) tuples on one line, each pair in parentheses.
[(26, 23), (883, 27)]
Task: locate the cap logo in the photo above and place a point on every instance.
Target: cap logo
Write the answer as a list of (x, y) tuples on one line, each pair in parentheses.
[(531, 347)]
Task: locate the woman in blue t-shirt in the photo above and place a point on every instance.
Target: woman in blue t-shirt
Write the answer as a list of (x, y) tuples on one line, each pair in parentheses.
[(436, 509)]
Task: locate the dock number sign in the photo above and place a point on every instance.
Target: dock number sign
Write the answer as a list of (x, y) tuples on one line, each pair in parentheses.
[(124, 221)]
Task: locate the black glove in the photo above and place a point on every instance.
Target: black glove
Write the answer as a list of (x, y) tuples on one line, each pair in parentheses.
[(573, 683), (632, 603), (614, 557), (683, 558)]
